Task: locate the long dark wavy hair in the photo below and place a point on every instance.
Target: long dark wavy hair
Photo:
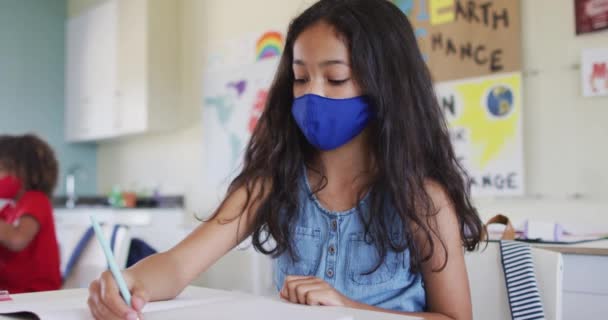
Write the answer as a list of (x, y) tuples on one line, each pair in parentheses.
[(408, 137)]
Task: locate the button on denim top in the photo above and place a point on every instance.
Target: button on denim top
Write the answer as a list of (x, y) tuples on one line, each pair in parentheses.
[(331, 246)]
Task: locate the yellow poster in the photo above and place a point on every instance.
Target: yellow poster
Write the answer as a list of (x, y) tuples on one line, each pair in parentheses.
[(485, 120)]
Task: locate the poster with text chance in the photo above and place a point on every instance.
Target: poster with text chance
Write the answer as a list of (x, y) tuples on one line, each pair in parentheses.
[(466, 39), (473, 50), (485, 123)]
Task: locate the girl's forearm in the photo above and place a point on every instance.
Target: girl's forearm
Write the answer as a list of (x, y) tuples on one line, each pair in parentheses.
[(13, 238), (160, 276)]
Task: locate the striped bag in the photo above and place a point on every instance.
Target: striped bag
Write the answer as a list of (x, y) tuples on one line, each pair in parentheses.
[(522, 289)]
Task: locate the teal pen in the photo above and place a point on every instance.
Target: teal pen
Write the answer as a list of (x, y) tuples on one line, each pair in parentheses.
[(122, 285)]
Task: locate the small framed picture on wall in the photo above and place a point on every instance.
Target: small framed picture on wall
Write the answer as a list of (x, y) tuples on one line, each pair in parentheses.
[(591, 15), (594, 72)]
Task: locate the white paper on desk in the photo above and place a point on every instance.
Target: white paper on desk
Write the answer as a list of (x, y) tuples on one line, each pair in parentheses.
[(72, 305), (221, 308), (546, 231), (251, 308)]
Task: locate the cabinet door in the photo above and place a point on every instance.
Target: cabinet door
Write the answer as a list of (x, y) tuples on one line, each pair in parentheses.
[(131, 108), (75, 80), (91, 73)]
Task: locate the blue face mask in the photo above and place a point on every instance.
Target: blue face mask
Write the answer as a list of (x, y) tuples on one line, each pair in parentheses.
[(330, 123)]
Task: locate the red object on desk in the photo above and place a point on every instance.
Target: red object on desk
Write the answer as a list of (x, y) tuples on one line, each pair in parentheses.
[(5, 296)]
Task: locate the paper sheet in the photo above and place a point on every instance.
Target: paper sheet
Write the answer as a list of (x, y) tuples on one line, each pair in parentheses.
[(72, 304), (252, 309), (193, 303)]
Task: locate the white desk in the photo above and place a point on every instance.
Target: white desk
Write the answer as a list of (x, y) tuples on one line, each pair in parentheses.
[(194, 303), (592, 248), (585, 286)]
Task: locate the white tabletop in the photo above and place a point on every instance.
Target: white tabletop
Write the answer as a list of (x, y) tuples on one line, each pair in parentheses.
[(594, 248), (193, 303)]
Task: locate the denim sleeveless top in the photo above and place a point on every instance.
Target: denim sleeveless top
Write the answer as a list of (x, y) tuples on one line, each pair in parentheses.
[(331, 246)]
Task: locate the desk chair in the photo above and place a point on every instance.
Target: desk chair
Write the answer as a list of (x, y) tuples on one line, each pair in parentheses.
[(83, 260), (488, 288)]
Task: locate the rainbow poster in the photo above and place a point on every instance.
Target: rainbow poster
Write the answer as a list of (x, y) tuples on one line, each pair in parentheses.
[(244, 50), (269, 45)]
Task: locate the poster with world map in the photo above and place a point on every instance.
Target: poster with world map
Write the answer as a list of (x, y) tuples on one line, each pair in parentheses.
[(234, 96)]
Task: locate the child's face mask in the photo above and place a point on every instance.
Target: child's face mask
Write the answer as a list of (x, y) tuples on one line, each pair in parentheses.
[(9, 187), (330, 123)]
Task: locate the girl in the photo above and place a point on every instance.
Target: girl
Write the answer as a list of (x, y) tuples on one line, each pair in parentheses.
[(350, 172), (29, 254)]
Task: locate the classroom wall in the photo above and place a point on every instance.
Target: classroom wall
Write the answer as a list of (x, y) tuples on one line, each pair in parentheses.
[(32, 62), (565, 153)]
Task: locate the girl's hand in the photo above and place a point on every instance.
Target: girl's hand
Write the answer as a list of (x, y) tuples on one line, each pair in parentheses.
[(105, 301), (313, 291)]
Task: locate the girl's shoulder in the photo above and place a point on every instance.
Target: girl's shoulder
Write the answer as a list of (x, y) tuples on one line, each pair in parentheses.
[(437, 193)]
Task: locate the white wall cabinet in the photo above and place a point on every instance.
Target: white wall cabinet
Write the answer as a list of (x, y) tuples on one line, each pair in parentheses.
[(122, 70)]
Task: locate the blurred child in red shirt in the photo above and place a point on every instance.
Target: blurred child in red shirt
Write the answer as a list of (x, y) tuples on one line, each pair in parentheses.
[(29, 253)]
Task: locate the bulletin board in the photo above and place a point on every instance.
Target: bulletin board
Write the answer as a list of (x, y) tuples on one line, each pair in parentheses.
[(473, 51)]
